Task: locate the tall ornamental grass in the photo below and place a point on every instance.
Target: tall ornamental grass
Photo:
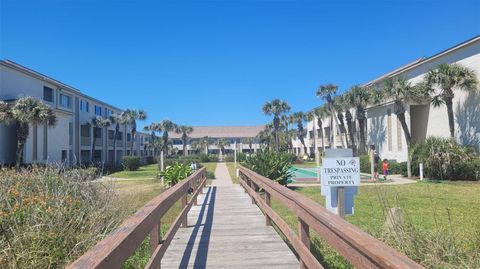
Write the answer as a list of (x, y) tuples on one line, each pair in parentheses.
[(49, 217)]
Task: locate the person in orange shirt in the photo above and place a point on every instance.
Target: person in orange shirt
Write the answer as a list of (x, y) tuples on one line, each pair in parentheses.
[(385, 169)]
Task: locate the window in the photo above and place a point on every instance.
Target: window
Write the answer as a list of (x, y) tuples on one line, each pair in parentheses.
[(85, 130), (70, 133), (109, 113), (111, 134), (64, 155), (98, 110), (119, 136), (48, 94), (84, 105), (65, 101), (129, 137)]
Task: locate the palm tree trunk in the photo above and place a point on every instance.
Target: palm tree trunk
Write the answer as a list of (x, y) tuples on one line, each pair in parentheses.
[(115, 149), (451, 118), (93, 146), (184, 148), (361, 126), (352, 137), (131, 142), (406, 132), (22, 134)]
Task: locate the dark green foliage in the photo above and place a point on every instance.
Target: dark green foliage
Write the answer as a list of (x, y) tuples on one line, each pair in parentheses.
[(173, 174), (365, 164), (445, 159), (207, 158), (272, 165), (131, 163), (292, 157)]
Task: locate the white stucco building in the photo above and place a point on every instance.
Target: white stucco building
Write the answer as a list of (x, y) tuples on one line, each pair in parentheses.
[(70, 140), (383, 128)]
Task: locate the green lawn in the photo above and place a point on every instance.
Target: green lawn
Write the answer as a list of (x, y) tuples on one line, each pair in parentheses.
[(305, 165), (232, 171), (134, 194), (429, 207), (149, 171)]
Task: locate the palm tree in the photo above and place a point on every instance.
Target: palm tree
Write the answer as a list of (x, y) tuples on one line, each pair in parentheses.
[(327, 92), (299, 118), (101, 123), (205, 143), (358, 97), (118, 120), (153, 128), (338, 104), (23, 112), (276, 108), (345, 104), (321, 113), (441, 83), (130, 117), (166, 126), (400, 91), (196, 146), (221, 144), (249, 141), (185, 131)]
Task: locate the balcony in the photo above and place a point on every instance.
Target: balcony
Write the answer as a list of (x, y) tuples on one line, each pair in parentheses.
[(110, 142), (85, 141), (99, 142)]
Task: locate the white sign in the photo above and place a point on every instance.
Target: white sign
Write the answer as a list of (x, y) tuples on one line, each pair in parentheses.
[(341, 171)]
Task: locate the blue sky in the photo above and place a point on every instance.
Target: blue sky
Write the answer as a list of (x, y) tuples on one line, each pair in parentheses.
[(217, 62)]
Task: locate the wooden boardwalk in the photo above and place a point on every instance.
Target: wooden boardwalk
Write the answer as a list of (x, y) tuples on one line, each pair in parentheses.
[(226, 230)]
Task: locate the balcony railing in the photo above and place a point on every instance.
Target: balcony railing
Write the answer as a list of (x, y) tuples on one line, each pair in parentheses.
[(110, 142), (85, 141), (99, 142)]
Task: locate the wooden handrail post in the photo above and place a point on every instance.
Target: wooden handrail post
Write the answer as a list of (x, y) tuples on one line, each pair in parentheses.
[(304, 236), (184, 204), (268, 220), (155, 240), (252, 186)]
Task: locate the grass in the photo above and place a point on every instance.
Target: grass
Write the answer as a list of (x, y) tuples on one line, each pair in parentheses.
[(149, 171), (429, 207), (306, 165), (233, 172)]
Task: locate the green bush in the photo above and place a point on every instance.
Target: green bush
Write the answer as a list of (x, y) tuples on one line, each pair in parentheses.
[(292, 157), (272, 165), (48, 217), (131, 163), (207, 158), (445, 159), (173, 174), (365, 164)]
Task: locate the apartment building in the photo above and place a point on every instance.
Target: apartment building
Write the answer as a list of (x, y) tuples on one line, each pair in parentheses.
[(383, 129), (234, 135), (73, 139)]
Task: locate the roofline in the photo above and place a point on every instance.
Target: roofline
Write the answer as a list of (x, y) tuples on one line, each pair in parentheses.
[(423, 60), (38, 75)]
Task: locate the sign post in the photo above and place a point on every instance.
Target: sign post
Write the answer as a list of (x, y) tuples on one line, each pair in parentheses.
[(340, 178)]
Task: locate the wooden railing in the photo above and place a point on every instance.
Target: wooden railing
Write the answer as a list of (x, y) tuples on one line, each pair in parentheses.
[(117, 247), (359, 248)]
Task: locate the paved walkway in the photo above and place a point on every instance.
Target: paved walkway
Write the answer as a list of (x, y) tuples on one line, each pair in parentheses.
[(227, 231)]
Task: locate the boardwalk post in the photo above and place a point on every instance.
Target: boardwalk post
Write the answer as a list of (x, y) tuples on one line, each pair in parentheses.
[(184, 204), (252, 186), (268, 220), (155, 240), (303, 234)]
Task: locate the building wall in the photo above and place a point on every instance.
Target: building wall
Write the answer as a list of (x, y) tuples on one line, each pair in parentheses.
[(423, 120), (48, 144)]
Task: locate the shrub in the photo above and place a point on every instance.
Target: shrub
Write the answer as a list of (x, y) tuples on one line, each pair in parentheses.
[(48, 217), (173, 174), (275, 166), (131, 163), (207, 158), (229, 158), (444, 159)]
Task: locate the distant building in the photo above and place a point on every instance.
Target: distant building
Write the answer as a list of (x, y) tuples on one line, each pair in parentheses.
[(70, 140), (213, 133), (384, 130)]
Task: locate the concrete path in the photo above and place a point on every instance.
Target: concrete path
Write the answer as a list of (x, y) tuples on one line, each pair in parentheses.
[(227, 231)]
